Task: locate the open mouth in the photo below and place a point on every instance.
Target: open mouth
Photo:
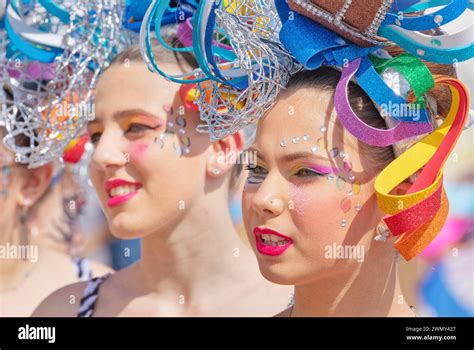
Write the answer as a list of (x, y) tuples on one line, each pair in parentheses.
[(271, 242), (123, 190), (120, 191)]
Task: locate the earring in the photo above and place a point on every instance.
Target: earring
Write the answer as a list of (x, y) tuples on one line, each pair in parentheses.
[(216, 171), (383, 232)]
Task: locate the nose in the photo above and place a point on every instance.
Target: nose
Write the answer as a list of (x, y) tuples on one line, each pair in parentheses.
[(267, 201), (108, 152)]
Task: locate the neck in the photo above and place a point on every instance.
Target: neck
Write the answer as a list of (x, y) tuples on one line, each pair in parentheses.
[(13, 267), (203, 249), (369, 289)]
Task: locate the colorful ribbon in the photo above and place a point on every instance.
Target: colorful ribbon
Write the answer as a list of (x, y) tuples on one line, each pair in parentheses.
[(425, 205), (324, 47), (363, 131)]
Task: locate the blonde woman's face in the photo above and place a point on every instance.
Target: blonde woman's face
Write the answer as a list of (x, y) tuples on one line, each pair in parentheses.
[(309, 207), (149, 163)]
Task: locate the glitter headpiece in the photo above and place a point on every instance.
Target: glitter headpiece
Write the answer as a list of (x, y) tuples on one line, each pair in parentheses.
[(51, 55)]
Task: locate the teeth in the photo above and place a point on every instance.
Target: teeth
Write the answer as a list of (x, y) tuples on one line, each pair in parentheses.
[(122, 190), (273, 240)]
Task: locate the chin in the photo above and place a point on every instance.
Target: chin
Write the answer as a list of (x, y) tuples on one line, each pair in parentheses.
[(277, 272), (126, 228)]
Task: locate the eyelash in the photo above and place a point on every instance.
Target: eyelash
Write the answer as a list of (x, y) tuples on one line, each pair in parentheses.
[(311, 171), (142, 127), (255, 178), (96, 136), (252, 174)]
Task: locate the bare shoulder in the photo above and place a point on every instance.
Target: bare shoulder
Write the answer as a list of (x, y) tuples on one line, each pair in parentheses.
[(64, 302)]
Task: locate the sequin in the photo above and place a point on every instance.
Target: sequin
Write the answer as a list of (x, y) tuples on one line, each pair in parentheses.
[(177, 149), (334, 152), (185, 141), (181, 121), (346, 205), (356, 187), (340, 183), (159, 142), (347, 166)]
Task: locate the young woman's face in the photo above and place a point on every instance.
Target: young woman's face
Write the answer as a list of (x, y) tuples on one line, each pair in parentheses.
[(148, 165), (312, 188)]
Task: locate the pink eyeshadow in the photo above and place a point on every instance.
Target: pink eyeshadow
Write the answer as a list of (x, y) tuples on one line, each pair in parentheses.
[(323, 169)]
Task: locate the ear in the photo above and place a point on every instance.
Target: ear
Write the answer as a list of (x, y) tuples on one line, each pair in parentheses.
[(35, 185), (225, 154)]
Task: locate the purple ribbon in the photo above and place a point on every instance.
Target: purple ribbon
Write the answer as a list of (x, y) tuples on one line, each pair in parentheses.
[(363, 131)]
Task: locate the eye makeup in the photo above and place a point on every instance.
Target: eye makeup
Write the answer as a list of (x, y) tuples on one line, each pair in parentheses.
[(256, 174), (146, 121), (94, 130), (321, 169)]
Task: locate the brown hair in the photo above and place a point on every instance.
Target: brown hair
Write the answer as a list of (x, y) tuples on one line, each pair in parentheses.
[(326, 79)]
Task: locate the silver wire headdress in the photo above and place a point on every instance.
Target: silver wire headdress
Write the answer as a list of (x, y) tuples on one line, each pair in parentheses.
[(48, 96), (243, 66)]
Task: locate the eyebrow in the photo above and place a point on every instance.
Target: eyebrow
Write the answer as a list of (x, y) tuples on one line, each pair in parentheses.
[(128, 113)]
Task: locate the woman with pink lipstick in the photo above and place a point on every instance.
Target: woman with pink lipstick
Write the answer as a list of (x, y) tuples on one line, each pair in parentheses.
[(349, 176), (160, 180), (310, 206)]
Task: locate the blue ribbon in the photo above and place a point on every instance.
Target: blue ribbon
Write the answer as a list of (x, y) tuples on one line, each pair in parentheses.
[(34, 52), (324, 47), (135, 11), (452, 9), (56, 10)]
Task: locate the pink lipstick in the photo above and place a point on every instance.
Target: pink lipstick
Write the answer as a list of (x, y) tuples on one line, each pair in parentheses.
[(127, 191), (270, 242)]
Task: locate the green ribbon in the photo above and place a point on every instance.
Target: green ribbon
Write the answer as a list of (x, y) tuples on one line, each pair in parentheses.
[(413, 70)]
